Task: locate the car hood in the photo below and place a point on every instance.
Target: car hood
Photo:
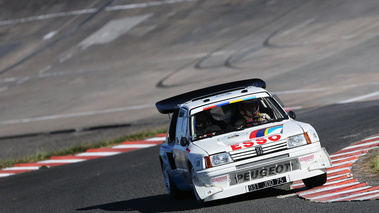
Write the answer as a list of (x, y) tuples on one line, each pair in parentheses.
[(250, 137)]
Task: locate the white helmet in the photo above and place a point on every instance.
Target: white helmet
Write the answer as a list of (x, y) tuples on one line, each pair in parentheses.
[(249, 108), (222, 113)]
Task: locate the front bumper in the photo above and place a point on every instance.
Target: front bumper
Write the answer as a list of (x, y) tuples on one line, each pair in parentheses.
[(234, 179)]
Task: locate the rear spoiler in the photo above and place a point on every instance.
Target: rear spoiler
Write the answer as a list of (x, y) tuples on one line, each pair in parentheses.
[(168, 105)]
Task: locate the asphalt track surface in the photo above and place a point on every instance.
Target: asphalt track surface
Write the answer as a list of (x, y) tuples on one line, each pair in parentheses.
[(70, 66), (133, 181)]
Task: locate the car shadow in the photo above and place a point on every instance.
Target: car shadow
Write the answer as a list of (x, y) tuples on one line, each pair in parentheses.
[(157, 203), (163, 203)]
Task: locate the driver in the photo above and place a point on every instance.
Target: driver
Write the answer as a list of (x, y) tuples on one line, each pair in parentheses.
[(250, 113), (204, 125)]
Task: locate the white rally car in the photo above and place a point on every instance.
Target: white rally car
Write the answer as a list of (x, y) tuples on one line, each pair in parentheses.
[(235, 138)]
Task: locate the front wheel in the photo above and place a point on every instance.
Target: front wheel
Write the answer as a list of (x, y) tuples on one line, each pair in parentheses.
[(172, 189), (315, 181), (194, 179)]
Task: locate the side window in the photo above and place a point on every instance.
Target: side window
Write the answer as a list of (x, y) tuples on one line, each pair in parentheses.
[(181, 126), (172, 130), (185, 122)]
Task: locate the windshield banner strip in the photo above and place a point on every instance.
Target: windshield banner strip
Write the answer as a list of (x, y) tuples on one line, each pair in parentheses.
[(230, 102)]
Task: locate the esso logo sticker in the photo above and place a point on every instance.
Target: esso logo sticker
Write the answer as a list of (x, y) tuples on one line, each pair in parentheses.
[(258, 141)]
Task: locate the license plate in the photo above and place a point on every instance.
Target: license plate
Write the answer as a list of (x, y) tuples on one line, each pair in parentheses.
[(266, 184)]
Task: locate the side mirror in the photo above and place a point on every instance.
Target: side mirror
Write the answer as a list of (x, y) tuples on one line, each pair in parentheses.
[(292, 114), (184, 141)]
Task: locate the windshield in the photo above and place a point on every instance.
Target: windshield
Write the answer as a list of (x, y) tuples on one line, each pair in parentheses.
[(235, 116)]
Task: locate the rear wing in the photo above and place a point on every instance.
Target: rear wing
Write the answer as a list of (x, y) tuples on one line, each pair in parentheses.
[(168, 105)]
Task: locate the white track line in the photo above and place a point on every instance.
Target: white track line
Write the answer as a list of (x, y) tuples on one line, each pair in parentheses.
[(341, 192), (351, 197), (346, 153), (337, 181), (337, 176), (157, 139), (62, 161), (361, 145), (127, 146), (21, 168), (7, 80), (147, 4), (326, 189), (374, 137), (342, 163), (338, 170), (98, 154), (50, 35), (6, 174), (91, 10), (339, 159), (360, 98), (375, 195), (44, 69)]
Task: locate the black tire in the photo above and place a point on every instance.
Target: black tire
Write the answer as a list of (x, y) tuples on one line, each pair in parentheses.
[(196, 195), (315, 181), (172, 189)]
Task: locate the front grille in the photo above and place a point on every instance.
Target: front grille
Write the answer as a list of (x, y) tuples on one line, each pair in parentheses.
[(251, 152)]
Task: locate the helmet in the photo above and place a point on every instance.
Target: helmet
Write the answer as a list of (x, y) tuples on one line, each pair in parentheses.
[(249, 108), (222, 113)]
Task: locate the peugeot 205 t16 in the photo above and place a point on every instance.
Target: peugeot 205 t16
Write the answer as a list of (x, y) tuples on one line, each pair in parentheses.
[(236, 138)]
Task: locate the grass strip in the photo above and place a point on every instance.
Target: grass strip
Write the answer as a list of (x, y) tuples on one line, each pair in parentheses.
[(79, 148), (375, 164)]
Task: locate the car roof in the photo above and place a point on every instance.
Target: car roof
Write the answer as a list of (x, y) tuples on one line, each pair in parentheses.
[(226, 98), (196, 97)]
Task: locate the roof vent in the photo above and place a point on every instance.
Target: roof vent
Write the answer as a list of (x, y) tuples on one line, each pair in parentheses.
[(244, 91), (206, 100)]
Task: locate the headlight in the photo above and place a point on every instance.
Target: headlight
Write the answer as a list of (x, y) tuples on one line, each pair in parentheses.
[(298, 140), (217, 160)]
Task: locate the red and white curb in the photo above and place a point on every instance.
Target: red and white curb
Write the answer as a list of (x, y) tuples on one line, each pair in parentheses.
[(340, 184), (89, 154)]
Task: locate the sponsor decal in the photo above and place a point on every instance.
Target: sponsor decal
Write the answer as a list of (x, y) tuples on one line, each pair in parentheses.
[(266, 131), (220, 179), (230, 136), (258, 141), (307, 158), (234, 136)]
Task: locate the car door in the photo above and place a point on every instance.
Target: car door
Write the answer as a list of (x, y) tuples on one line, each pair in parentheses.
[(180, 152)]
